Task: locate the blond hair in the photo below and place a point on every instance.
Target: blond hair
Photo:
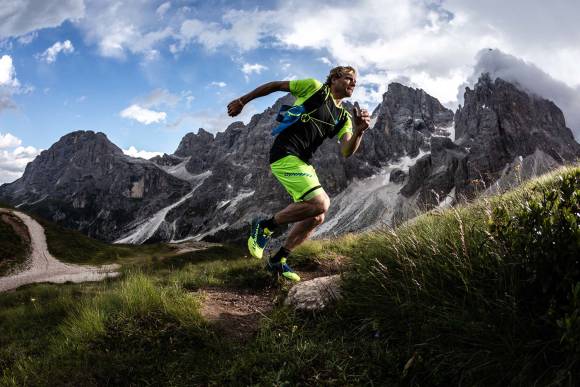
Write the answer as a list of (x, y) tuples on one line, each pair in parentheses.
[(338, 72)]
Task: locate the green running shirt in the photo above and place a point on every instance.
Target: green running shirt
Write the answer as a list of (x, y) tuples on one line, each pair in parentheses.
[(303, 138)]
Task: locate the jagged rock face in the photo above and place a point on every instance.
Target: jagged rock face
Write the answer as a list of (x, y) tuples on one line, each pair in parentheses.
[(85, 182), (167, 160), (500, 121), (498, 124), (405, 122)]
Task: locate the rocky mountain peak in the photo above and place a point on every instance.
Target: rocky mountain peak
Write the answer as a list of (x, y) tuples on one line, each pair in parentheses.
[(88, 141), (507, 121), (192, 143)]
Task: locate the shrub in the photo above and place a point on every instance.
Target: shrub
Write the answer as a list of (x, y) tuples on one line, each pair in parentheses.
[(540, 243)]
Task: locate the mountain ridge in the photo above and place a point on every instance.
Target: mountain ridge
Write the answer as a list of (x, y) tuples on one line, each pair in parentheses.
[(212, 186)]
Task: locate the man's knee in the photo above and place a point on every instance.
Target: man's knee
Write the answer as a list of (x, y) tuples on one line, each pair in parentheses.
[(320, 203), (318, 219)]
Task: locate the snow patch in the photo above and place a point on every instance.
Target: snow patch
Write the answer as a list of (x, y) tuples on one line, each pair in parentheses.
[(179, 171), (448, 199), (235, 201), (147, 228), (450, 130)]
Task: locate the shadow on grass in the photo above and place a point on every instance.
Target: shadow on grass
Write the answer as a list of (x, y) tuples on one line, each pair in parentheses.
[(214, 253)]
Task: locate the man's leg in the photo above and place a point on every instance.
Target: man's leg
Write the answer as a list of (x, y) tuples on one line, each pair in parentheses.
[(302, 229), (300, 211)]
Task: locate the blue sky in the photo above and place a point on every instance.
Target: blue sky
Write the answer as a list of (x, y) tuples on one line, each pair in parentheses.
[(147, 72)]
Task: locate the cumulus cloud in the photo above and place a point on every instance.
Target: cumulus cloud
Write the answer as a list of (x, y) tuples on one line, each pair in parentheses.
[(9, 141), (142, 115), (118, 28), (531, 79), (218, 84), (257, 68), (241, 29), (9, 84), (7, 72), (19, 17), (546, 34), (14, 161), (49, 56), (133, 152)]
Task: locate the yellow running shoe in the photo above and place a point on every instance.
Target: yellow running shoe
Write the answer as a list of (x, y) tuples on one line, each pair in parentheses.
[(258, 239), (282, 268)]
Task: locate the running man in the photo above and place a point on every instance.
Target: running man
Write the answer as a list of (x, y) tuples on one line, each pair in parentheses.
[(323, 117)]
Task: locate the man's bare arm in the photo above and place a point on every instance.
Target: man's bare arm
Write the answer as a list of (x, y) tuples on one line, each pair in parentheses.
[(351, 142), (235, 107)]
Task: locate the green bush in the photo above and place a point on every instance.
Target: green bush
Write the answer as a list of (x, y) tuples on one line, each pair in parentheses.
[(540, 242)]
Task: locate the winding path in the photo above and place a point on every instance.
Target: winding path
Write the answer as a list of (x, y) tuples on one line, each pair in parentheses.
[(43, 267)]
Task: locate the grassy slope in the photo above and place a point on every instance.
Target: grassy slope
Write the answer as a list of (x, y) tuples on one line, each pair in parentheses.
[(432, 303), (12, 248)]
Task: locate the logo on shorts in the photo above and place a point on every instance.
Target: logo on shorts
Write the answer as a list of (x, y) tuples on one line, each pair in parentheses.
[(297, 174)]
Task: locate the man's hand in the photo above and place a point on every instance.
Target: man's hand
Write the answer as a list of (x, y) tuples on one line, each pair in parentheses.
[(362, 119), (235, 107)]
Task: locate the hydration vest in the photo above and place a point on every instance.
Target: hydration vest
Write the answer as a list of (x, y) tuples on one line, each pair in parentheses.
[(290, 115)]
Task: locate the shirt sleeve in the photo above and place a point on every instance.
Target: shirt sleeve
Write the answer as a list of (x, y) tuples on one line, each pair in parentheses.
[(346, 128), (304, 88)]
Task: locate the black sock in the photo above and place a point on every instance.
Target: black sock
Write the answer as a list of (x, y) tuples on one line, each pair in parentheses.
[(270, 224), (282, 253)]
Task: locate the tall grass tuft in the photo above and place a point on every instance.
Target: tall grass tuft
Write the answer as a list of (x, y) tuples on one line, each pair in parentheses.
[(451, 290)]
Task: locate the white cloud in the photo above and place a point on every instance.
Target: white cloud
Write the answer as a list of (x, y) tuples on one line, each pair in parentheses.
[(432, 44), (13, 162), (49, 56), (257, 68), (9, 84), (142, 115), (118, 28), (133, 152), (9, 141), (163, 8), (218, 84), (241, 29), (531, 79), (546, 34), (20, 17), (7, 72)]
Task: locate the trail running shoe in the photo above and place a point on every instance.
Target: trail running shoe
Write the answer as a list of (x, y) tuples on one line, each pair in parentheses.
[(282, 268), (258, 238)]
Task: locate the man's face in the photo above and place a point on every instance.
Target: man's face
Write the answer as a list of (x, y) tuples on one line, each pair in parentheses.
[(344, 86)]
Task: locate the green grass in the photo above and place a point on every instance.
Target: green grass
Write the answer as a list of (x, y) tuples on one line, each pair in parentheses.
[(74, 247), (441, 300), (13, 250)]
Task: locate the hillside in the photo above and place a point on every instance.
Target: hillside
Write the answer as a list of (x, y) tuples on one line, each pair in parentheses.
[(13, 243), (481, 294)]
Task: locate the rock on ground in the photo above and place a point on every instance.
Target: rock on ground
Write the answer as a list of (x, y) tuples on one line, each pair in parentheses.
[(316, 294)]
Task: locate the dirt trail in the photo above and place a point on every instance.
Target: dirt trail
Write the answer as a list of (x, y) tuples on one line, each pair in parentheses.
[(237, 312), (43, 267)]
